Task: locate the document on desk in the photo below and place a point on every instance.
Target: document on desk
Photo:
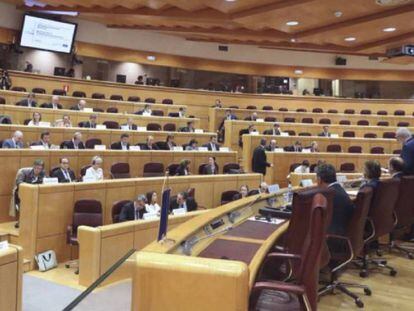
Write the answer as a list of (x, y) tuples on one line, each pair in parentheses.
[(353, 193), (272, 220)]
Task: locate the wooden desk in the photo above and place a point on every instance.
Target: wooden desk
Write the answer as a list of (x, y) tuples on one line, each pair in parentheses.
[(11, 272), (215, 284), (11, 160), (217, 115), (20, 114), (296, 178), (46, 210), (250, 142), (232, 129)]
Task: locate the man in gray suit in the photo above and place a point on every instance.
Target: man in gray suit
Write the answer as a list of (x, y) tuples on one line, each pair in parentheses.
[(16, 142)]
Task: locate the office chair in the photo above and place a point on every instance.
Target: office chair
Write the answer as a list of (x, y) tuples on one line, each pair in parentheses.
[(227, 196), (78, 94), (153, 169), (116, 210), (120, 170)]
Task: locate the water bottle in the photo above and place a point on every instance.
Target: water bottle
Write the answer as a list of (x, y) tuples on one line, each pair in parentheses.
[(290, 193)]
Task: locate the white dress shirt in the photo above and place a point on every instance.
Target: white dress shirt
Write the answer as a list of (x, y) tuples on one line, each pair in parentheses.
[(302, 170), (31, 123), (152, 208), (93, 175)]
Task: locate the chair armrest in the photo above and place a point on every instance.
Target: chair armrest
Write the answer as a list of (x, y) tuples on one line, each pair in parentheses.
[(284, 256), (349, 246), (69, 231), (371, 223)]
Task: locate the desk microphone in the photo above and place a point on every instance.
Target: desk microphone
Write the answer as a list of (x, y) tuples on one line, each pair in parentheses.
[(187, 245)]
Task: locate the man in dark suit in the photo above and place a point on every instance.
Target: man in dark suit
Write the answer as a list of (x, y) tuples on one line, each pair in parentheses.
[(28, 102), (44, 140), (133, 210), (343, 207), (212, 145), (211, 167), (185, 202), (259, 160), (64, 174), (16, 142), (189, 128), (79, 106), (149, 145), (274, 131), (228, 116), (123, 144), (130, 124), (272, 146), (54, 104), (325, 132), (396, 167), (252, 117), (296, 147), (75, 143), (404, 136), (92, 121)]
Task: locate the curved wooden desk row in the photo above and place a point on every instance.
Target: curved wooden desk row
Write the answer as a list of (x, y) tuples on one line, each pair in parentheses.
[(295, 178), (101, 247), (46, 210), (108, 136), (20, 114), (11, 160), (67, 102), (217, 116), (11, 272), (281, 163), (250, 142), (198, 101), (194, 260), (233, 128)]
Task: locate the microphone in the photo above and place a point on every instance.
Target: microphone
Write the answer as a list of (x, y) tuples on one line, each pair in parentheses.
[(236, 214), (187, 245)]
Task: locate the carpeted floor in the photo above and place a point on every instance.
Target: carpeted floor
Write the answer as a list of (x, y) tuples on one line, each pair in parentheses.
[(42, 295)]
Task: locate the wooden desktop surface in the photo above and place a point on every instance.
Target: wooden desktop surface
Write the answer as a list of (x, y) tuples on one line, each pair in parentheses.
[(11, 272)]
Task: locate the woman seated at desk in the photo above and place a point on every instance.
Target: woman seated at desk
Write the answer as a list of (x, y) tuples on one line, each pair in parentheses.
[(243, 193), (36, 119), (152, 206), (372, 174), (304, 168), (192, 145), (170, 142), (64, 122), (95, 172)]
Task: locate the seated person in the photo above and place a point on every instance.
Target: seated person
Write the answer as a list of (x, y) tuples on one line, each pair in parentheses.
[(140, 80), (304, 168), (218, 104), (123, 144), (343, 207), (130, 124), (325, 132), (296, 147), (28, 102), (192, 145), (185, 202), (252, 117), (251, 129), (211, 167), (274, 131), (95, 172), (133, 210), (152, 204), (149, 145), (313, 147), (228, 115), (92, 121), (79, 106), (16, 142), (54, 104), (36, 118), (44, 141), (64, 174), (182, 112), (189, 128), (243, 192), (75, 143), (396, 167), (372, 174), (264, 188), (146, 111), (64, 122), (170, 142), (272, 146), (212, 145), (184, 168)]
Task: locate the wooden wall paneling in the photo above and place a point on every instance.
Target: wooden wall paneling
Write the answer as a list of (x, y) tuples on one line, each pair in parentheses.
[(11, 276)]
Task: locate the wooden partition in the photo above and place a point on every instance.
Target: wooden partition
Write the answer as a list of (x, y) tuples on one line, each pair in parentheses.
[(100, 248), (46, 210), (11, 271), (250, 142), (217, 115), (11, 160), (108, 136), (198, 101), (67, 102), (281, 162), (233, 128), (20, 114)]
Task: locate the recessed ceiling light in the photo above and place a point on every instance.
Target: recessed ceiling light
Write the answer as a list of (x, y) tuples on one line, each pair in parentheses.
[(231, 0), (292, 40), (389, 29), (350, 39), (151, 58), (292, 23), (298, 71), (338, 14)]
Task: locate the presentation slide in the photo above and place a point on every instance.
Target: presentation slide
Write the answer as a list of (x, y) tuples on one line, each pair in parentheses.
[(40, 33)]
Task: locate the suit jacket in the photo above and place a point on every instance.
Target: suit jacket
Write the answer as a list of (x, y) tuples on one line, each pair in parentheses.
[(343, 209), (292, 149), (373, 183), (76, 107), (27, 176), (181, 171), (50, 106), (407, 153), (128, 212), (61, 177), (250, 119), (209, 147), (232, 117), (398, 175), (186, 129), (132, 127), (9, 144), (173, 145), (118, 146), (271, 132), (269, 148), (324, 135), (146, 147), (88, 124), (190, 202), (39, 143), (25, 103), (68, 144), (259, 160), (207, 170)]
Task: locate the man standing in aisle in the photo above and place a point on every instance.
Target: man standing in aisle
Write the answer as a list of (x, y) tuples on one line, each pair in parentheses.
[(259, 160)]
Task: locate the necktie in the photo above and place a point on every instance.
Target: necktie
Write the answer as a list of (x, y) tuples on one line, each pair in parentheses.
[(136, 213)]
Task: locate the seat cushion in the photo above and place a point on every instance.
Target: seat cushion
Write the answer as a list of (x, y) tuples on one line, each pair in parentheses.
[(270, 300)]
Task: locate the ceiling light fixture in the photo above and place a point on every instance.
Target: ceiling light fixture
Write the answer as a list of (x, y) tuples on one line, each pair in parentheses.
[(389, 29), (350, 39), (292, 23), (338, 14), (298, 71), (151, 58), (292, 40)]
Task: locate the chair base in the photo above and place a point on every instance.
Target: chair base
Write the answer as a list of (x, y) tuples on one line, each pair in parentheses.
[(406, 248), (366, 264), (343, 287)]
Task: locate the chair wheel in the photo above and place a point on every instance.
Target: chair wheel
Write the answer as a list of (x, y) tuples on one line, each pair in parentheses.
[(367, 291), (410, 256), (67, 266), (393, 272), (363, 274), (379, 253), (359, 303)]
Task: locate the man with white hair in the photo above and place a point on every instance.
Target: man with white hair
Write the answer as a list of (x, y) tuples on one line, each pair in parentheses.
[(55, 103), (80, 106), (404, 136), (16, 142)]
